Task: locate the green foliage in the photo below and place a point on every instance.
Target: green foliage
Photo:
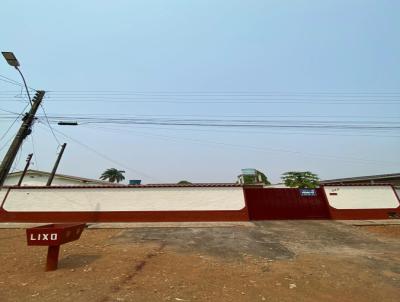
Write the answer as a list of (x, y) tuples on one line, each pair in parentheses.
[(253, 179), (112, 175), (264, 179), (302, 180), (184, 182)]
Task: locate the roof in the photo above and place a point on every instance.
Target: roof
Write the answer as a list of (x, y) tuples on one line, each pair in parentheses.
[(81, 179), (361, 178)]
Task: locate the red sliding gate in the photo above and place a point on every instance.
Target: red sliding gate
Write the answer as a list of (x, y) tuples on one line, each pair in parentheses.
[(285, 203)]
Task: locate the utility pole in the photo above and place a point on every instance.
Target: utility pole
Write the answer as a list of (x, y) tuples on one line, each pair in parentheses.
[(23, 132), (28, 162), (49, 181)]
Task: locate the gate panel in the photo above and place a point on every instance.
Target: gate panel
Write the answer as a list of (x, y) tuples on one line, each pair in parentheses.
[(274, 203)]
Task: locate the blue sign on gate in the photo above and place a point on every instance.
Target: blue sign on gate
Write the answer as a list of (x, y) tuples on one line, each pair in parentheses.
[(308, 192)]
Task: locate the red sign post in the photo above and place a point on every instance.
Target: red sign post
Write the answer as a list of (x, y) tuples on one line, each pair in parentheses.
[(53, 235)]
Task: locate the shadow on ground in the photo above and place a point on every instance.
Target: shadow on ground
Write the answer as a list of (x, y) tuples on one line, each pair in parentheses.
[(76, 260), (268, 239)]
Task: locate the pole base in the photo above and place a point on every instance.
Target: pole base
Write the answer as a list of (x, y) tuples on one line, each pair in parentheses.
[(52, 257)]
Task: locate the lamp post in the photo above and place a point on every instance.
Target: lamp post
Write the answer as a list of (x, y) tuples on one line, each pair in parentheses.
[(25, 128), (13, 61)]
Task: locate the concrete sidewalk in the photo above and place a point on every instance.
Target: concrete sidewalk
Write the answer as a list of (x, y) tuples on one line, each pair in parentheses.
[(371, 222), (130, 225)]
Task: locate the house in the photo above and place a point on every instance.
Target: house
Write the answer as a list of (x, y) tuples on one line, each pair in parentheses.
[(39, 178), (251, 176), (393, 179)]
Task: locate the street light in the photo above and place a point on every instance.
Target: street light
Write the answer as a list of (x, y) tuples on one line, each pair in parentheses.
[(12, 60)]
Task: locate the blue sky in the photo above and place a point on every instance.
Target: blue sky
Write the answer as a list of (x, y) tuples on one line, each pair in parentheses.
[(311, 48)]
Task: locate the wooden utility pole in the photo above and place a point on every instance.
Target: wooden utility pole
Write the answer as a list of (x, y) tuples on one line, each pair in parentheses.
[(50, 180), (28, 162), (23, 132)]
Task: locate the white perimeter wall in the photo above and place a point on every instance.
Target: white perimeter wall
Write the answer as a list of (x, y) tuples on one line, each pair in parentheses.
[(124, 199), (361, 197)]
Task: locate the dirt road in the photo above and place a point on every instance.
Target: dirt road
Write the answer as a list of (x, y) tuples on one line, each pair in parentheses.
[(269, 261)]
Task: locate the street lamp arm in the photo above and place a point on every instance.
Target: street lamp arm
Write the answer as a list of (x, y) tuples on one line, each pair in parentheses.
[(26, 86)]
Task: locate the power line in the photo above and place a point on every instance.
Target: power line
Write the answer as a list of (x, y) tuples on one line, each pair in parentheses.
[(233, 92), (106, 157), (51, 128), (10, 81), (7, 142), (242, 123), (18, 158), (108, 115), (277, 132), (12, 112), (14, 82), (351, 159), (248, 120), (12, 124), (34, 151), (224, 101), (213, 94)]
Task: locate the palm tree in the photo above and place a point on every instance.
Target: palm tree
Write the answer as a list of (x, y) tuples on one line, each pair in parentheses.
[(113, 175)]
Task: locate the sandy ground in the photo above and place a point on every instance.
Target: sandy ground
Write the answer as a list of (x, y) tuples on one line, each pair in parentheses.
[(271, 261)]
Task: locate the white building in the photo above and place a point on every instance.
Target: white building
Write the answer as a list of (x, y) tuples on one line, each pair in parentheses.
[(39, 178)]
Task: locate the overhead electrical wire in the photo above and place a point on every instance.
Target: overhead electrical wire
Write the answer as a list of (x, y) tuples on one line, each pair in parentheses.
[(320, 98), (235, 131), (51, 128), (366, 125), (222, 101), (7, 142), (351, 159), (10, 81), (12, 124), (371, 126), (34, 150), (14, 82), (105, 156), (12, 112), (111, 115), (227, 92), (18, 156)]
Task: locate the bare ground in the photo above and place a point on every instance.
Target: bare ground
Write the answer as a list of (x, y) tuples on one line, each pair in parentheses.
[(272, 261)]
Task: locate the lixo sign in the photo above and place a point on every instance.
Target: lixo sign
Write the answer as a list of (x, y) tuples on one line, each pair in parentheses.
[(43, 237), (53, 235)]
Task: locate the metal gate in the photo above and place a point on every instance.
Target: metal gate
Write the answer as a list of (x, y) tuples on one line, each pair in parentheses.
[(273, 203)]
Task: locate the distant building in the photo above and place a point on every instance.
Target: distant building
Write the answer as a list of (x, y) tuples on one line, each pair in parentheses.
[(39, 178), (393, 179), (251, 176)]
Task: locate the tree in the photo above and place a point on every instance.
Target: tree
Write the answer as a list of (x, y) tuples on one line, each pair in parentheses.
[(302, 180), (112, 175), (184, 182)]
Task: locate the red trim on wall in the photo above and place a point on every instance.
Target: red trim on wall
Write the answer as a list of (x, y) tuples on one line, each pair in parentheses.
[(355, 214), (139, 216)]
